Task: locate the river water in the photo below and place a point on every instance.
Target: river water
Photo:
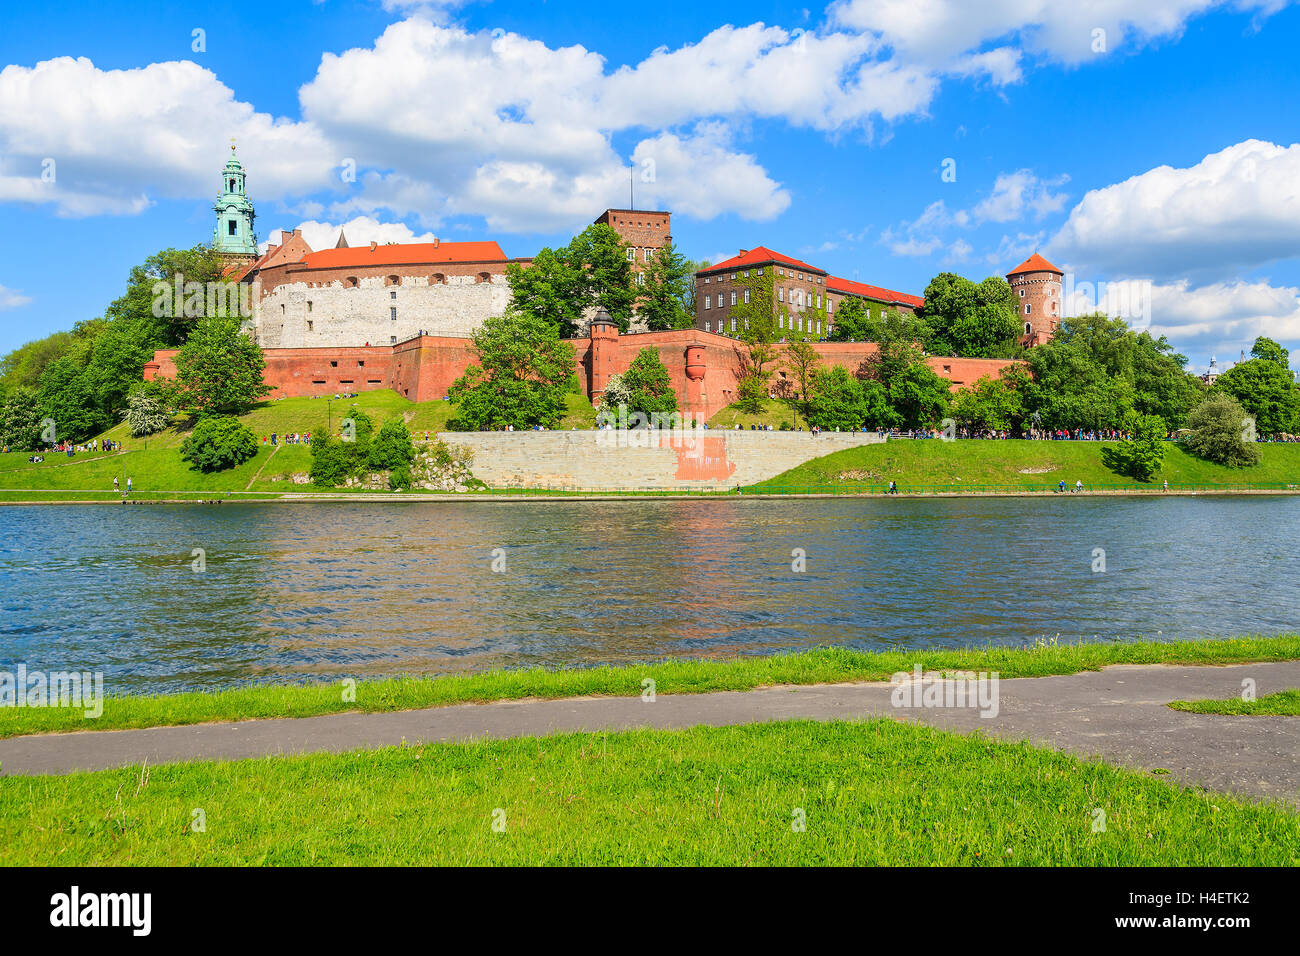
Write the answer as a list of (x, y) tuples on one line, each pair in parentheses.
[(316, 591)]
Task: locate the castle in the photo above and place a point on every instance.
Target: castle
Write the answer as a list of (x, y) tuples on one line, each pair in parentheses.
[(400, 316)]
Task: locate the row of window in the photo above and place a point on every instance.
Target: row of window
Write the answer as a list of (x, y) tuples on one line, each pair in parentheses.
[(794, 323), (631, 254)]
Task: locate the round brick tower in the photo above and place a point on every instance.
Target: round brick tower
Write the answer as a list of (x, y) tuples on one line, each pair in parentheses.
[(1036, 284), (604, 353)]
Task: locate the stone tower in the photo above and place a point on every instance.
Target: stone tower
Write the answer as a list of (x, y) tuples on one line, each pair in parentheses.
[(1036, 284), (234, 238)]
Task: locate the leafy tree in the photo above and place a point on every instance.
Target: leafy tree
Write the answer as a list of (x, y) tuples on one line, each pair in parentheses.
[(23, 367), (20, 420), (600, 253), (146, 412), (616, 392), (219, 369), (840, 400), (1141, 454), (918, 395), (550, 289), (1095, 370), (992, 404), (218, 442), (756, 329), (392, 448), (668, 296), (1265, 387), (802, 361), (523, 374), (968, 319), (649, 387), (1218, 426), (333, 461), (144, 309)]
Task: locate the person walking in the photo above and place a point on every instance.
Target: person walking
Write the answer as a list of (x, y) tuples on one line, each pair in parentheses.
[(115, 487), (1166, 484), (128, 486)]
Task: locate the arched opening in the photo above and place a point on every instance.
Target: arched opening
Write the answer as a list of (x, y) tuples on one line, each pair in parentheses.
[(350, 282), (393, 280), (1029, 328), (437, 279), (483, 277)]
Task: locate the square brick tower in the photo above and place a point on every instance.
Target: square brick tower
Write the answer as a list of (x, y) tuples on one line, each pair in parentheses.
[(645, 232), (1037, 287)]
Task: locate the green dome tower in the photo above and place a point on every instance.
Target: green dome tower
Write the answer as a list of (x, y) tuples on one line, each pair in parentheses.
[(233, 236)]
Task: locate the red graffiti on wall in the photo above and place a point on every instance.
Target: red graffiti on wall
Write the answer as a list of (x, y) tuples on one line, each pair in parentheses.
[(700, 459)]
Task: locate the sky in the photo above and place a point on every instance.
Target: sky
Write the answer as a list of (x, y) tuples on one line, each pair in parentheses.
[(1149, 148)]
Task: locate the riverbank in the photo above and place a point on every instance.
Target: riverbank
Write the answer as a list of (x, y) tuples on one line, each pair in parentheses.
[(831, 665)]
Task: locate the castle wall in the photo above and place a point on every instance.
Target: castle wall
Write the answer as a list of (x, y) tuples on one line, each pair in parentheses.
[(314, 314)]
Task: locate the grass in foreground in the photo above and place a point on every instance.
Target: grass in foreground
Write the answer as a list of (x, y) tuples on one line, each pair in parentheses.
[(959, 465), (1283, 704), (875, 792), (818, 666)]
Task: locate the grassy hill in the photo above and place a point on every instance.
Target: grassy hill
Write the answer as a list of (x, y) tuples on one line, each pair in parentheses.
[(154, 463), (1032, 465), (773, 413)]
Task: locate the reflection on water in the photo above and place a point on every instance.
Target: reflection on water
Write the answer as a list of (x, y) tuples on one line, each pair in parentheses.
[(296, 592)]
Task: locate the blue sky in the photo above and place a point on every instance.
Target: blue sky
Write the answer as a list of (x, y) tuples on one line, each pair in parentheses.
[(1149, 145)]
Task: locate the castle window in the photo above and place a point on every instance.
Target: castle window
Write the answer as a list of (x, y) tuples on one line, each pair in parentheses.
[(392, 340), (392, 313), (733, 296), (830, 305), (647, 254), (484, 277), (437, 279), (1022, 293), (350, 282), (309, 305), (231, 227), (393, 280), (631, 254), (640, 278), (393, 294), (1028, 308), (309, 325), (1028, 329), (780, 294), (747, 296), (708, 301), (334, 364)]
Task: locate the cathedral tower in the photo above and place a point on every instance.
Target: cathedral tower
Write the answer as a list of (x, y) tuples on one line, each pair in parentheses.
[(233, 238)]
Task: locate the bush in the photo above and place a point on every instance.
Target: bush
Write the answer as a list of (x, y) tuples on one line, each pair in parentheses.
[(218, 443), (1217, 427), (146, 412), (392, 447), (1141, 455), (400, 477)]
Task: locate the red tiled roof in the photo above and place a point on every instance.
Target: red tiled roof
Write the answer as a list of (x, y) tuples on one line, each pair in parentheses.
[(873, 292), (757, 257), (408, 253), (1035, 263)]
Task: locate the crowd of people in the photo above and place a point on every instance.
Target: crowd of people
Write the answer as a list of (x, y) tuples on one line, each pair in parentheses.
[(295, 438)]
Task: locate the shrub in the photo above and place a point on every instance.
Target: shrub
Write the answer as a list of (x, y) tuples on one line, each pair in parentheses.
[(218, 443), (1217, 432), (392, 447), (146, 412)]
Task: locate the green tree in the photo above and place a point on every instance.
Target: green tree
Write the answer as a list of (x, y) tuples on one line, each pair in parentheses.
[(523, 374), (600, 253), (156, 317), (754, 315), (147, 412), (219, 369), (23, 367), (968, 319), (550, 289), (992, 404), (649, 386), (803, 362), (1265, 387), (20, 420), (392, 447), (1141, 454), (1218, 427), (218, 442), (668, 296)]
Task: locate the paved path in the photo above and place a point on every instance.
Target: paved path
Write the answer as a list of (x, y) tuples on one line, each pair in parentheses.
[(1117, 713)]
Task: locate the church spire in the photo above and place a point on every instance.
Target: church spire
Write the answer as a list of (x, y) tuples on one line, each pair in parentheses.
[(233, 236)]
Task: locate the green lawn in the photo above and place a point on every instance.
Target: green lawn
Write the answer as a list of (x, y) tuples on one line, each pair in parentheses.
[(773, 413), (819, 666), (1282, 704), (154, 463), (797, 792), (968, 464)]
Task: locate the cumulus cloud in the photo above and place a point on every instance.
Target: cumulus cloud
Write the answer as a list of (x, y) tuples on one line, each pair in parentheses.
[(1223, 318), (94, 141), (1019, 195), (1236, 209), (360, 231), (12, 298)]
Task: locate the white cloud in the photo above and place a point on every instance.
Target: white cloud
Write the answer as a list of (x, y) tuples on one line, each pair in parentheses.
[(12, 298), (1224, 317), (1016, 194), (1236, 209), (119, 137), (942, 33), (700, 177), (360, 231)]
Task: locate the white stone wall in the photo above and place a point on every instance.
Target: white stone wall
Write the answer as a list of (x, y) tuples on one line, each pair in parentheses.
[(347, 317)]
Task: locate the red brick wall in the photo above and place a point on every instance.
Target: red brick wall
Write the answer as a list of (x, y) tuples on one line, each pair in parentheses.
[(423, 369)]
